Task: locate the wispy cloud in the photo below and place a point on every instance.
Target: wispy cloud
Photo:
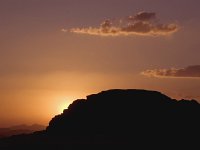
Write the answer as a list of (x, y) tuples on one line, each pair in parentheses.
[(142, 23), (188, 72)]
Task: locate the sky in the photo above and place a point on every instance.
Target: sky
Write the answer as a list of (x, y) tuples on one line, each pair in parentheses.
[(55, 51)]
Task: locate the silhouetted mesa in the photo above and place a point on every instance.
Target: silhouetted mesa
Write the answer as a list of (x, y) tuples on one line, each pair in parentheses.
[(121, 118)]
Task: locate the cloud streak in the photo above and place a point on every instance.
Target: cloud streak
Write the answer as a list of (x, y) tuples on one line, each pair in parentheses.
[(143, 23), (188, 72)]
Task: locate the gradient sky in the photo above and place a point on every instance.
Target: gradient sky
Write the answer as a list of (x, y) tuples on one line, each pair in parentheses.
[(43, 69)]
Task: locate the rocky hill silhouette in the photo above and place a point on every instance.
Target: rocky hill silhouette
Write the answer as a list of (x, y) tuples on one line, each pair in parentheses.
[(118, 118)]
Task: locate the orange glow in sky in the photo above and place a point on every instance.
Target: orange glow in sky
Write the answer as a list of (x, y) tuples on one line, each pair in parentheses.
[(43, 69)]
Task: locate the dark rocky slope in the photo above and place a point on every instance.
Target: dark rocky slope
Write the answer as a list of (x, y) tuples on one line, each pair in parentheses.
[(119, 118)]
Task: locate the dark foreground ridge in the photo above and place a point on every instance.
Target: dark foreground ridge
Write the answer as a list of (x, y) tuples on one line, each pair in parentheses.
[(118, 119)]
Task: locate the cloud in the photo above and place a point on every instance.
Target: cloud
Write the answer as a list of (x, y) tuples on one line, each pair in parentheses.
[(143, 16), (143, 23), (188, 72)]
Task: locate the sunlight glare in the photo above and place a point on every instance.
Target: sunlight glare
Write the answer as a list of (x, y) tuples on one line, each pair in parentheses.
[(63, 105)]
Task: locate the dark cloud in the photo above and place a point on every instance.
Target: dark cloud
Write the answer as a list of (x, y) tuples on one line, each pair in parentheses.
[(143, 23), (188, 72), (143, 16)]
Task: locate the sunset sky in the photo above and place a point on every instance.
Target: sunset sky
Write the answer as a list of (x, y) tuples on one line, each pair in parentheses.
[(55, 51)]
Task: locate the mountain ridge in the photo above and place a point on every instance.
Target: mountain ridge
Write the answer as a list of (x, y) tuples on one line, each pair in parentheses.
[(20, 129)]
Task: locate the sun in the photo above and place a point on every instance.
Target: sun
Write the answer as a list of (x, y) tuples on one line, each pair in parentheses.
[(63, 105), (62, 102)]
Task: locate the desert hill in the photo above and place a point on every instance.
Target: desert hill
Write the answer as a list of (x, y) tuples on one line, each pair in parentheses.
[(119, 118)]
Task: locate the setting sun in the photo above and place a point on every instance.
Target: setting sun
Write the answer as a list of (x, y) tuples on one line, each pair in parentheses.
[(63, 105), (62, 102)]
